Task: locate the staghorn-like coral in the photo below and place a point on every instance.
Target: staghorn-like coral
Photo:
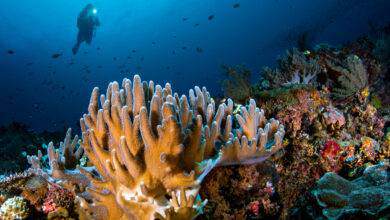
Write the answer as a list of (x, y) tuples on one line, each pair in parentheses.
[(59, 164), (147, 142)]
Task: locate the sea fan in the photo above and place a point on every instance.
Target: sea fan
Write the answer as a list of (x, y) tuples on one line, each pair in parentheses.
[(353, 78)]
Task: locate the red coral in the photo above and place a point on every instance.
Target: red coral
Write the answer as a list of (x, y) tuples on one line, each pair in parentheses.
[(331, 156), (254, 208), (57, 197), (331, 149)]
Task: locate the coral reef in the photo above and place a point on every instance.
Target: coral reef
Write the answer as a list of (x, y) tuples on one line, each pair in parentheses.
[(366, 197), (309, 140), (331, 124)]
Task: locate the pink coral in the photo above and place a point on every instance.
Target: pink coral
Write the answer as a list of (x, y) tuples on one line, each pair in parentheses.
[(57, 197), (333, 117), (264, 203), (254, 208)]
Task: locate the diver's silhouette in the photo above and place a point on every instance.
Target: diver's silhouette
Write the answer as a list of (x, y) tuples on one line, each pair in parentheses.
[(87, 21)]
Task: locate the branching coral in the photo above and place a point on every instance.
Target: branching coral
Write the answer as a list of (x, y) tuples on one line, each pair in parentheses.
[(146, 142), (294, 67), (60, 163), (252, 142)]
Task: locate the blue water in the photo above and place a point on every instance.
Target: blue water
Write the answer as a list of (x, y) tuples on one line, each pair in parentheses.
[(157, 39)]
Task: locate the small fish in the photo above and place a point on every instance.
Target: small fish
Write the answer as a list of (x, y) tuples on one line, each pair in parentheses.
[(237, 5), (154, 43), (211, 17), (114, 58), (56, 55), (98, 48), (10, 51), (184, 48), (196, 25), (184, 19), (199, 50), (133, 50)]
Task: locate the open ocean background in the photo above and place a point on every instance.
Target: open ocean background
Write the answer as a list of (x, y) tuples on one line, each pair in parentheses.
[(162, 40)]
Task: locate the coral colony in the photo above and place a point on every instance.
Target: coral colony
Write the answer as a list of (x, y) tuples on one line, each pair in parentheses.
[(307, 141)]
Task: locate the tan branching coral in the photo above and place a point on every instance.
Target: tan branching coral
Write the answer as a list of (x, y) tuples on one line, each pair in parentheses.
[(146, 142), (256, 139)]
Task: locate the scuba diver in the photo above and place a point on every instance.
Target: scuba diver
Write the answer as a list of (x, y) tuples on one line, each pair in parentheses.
[(87, 21)]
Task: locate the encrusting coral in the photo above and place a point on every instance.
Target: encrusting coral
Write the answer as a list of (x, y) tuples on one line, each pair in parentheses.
[(368, 194), (147, 142), (14, 208)]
